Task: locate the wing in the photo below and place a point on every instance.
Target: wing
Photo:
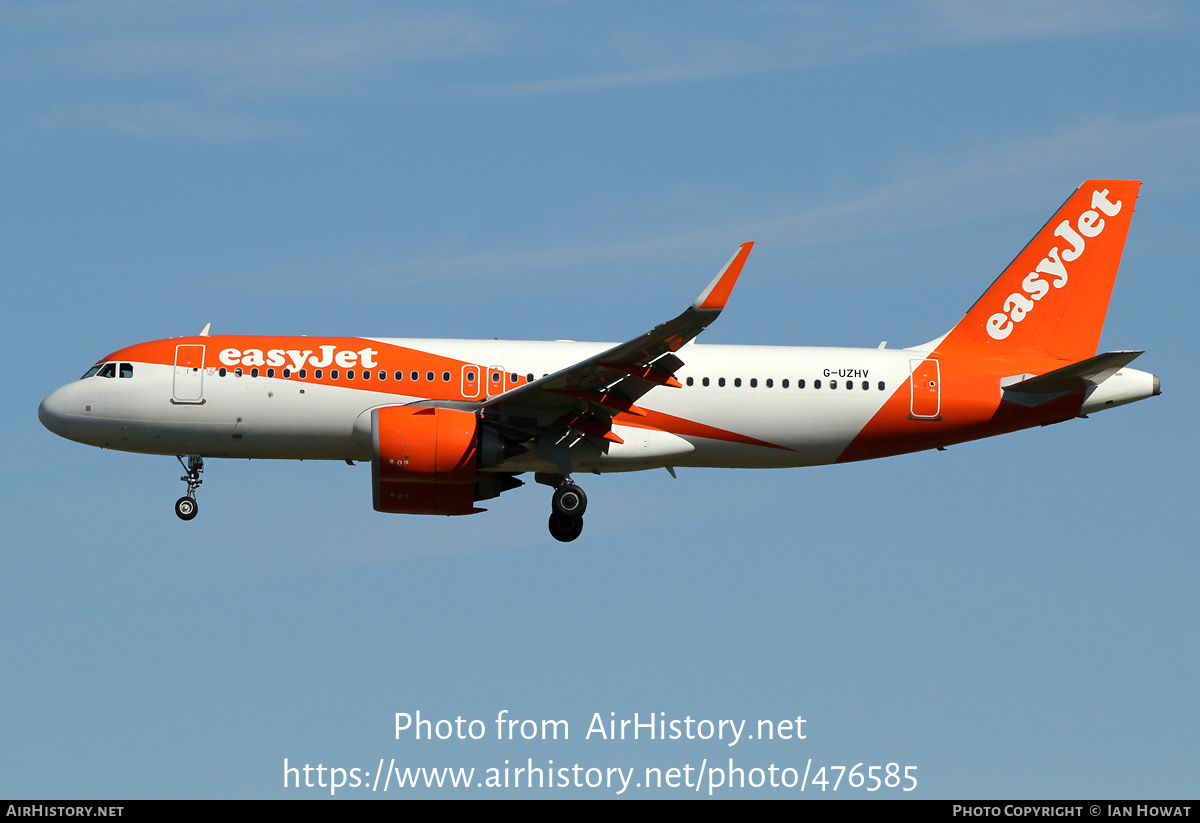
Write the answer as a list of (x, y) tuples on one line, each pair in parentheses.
[(586, 396)]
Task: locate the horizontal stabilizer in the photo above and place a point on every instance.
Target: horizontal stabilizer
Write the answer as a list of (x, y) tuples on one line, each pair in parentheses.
[(1084, 374)]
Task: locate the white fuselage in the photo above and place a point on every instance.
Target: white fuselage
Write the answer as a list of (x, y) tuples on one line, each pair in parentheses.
[(794, 400)]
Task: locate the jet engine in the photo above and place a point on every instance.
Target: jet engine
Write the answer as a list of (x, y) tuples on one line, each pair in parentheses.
[(427, 461)]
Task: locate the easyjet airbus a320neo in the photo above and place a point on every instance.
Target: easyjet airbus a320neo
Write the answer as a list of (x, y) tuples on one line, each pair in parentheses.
[(449, 423)]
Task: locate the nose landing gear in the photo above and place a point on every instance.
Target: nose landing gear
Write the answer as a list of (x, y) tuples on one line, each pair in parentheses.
[(567, 507), (186, 507)]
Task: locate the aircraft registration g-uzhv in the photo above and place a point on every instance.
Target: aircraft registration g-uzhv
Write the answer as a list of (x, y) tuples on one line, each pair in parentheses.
[(449, 423)]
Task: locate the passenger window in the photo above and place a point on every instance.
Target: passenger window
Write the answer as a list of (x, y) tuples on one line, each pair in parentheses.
[(333, 374), (237, 372), (721, 382), (445, 377), (881, 385), (530, 377), (690, 381), (849, 384), (832, 384), (317, 373), (754, 382), (704, 381), (770, 383), (816, 384), (109, 370), (383, 374), (514, 377), (222, 371), (737, 382), (866, 385), (287, 372), (270, 372), (783, 383), (496, 378), (800, 383), (254, 372), (415, 376), (429, 376), (349, 374), (127, 370), (303, 373), (367, 374), (90, 372)]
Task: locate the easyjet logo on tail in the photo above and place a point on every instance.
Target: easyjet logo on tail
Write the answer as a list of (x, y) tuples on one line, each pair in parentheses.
[(1019, 304)]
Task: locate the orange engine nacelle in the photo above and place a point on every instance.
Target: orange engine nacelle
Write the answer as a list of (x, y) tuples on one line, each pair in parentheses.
[(423, 445), (424, 460)]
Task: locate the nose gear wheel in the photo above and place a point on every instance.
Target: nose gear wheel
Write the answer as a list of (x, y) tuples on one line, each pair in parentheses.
[(186, 508)]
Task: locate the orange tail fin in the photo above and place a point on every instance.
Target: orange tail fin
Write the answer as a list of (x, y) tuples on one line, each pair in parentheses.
[(1051, 300)]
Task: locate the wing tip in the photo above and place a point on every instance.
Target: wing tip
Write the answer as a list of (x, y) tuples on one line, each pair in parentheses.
[(717, 294)]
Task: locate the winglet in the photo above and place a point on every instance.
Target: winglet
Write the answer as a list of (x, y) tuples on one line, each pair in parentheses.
[(717, 293)]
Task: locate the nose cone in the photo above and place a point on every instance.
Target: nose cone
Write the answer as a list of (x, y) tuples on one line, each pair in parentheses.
[(55, 411)]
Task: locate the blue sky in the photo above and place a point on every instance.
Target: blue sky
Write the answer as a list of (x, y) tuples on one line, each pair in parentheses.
[(1015, 617)]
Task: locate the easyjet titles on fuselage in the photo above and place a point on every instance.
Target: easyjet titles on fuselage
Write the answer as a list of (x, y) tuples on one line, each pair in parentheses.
[(329, 356)]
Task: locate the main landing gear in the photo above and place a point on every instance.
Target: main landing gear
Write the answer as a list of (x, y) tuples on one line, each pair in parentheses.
[(567, 507), (186, 507)]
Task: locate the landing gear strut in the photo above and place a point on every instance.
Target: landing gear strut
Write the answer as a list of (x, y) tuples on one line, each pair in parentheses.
[(186, 507), (567, 507)]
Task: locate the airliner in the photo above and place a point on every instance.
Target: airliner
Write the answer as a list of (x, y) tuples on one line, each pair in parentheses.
[(447, 424)]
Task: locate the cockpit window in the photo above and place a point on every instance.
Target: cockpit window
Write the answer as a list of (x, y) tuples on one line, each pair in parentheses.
[(91, 371), (127, 370), (108, 370)]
